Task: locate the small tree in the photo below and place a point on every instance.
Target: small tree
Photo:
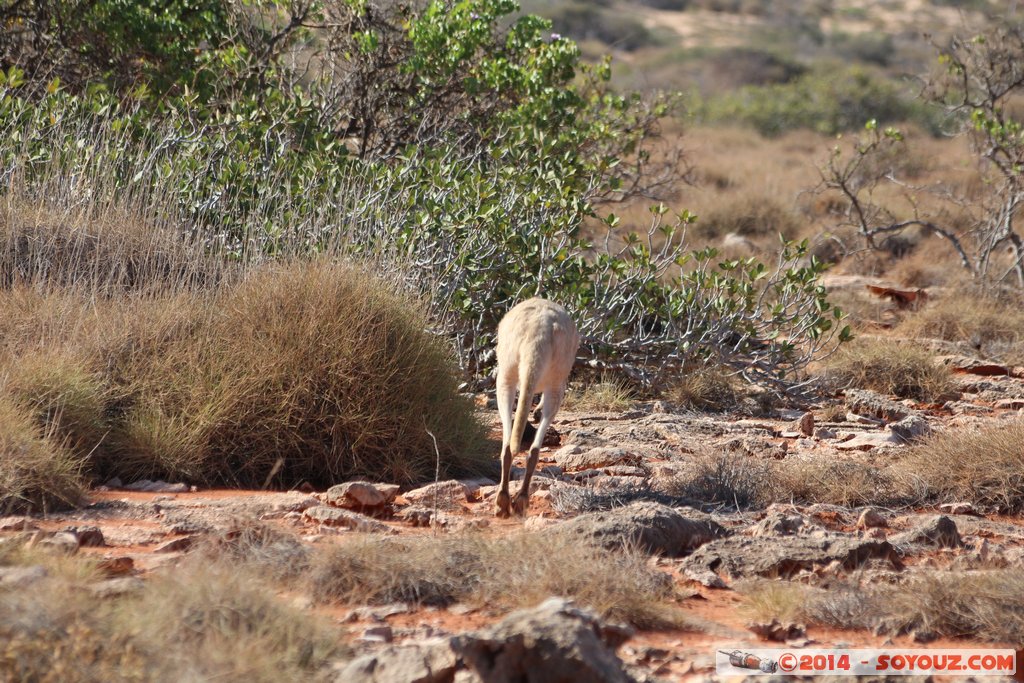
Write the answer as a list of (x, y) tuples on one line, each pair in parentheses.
[(979, 80)]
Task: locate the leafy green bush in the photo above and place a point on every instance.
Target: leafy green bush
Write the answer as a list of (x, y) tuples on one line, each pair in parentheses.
[(829, 100)]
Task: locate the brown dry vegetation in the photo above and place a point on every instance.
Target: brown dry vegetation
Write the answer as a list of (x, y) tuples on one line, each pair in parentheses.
[(984, 466), (512, 571), (202, 621), (990, 322), (889, 367), (985, 605), (115, 363), (607, 394)]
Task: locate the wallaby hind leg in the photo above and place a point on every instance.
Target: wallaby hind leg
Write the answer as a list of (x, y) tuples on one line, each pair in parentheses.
[(506, 395), (552, 401)]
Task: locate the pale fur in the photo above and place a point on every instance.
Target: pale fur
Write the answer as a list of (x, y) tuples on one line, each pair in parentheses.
[(537, 343)]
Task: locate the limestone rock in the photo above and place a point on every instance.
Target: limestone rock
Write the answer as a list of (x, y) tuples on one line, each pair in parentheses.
[(874, 405), (572, 461), (784, 556), (338, 517), (355, 495), (939, 531), (653, 527)]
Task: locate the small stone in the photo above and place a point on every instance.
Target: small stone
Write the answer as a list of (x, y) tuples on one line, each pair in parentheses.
[(910, 428), (1010, 404), (116, 566), (960, 509), (778, 631), (865, 442), (355, 495), (158, 486), (806, 424), (63, 541), (377, 634), (445, 494), (938, 531), (88, 536), (390, 491), (871, 518), (601, 456), (17, 524), (176, 545)]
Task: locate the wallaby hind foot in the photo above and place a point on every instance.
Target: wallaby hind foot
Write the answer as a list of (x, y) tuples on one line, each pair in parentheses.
[(501, 506)]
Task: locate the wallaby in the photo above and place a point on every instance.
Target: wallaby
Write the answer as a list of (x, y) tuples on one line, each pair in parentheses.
[(537, 343)]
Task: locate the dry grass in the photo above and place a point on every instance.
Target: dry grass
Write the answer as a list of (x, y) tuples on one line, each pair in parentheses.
[(607, 395), (706, 389), (849, 483), (734, 480), (748, 215), (991, 323), (36, 469), (204, 621), (316, 364), (511, 571), (985, 467), (891, 368), (742, 481), (98, 246), (986, 605)]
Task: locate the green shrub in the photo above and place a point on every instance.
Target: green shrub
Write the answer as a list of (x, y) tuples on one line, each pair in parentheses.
[(829, 100)]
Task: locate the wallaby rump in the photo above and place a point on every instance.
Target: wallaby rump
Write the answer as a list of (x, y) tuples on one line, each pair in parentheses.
[(537, 343)]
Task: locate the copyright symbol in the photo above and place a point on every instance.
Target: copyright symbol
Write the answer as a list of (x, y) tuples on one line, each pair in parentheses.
[(787, 662)]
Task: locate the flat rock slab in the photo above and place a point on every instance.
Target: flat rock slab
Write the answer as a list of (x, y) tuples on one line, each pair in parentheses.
[(346, 519), (443, 494), (972, 366), (653, 527), (784, 556), (574, 458), (872, 404)]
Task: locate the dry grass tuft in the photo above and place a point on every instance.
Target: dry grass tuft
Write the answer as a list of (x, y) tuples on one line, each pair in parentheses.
[(37, 471), (889, 367), (742, 481), (985, 467), (607, 395), (850, 483), (992, 324), (748, 215), (986, 605), (204, 621), (731, 480), (506, 572), (317, 365), (706, 389), (99, 248)]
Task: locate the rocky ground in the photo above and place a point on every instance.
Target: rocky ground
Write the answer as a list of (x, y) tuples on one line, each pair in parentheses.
[(615, 478)]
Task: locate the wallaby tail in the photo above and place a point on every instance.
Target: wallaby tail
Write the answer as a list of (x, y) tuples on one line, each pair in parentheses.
[(527, 381)]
